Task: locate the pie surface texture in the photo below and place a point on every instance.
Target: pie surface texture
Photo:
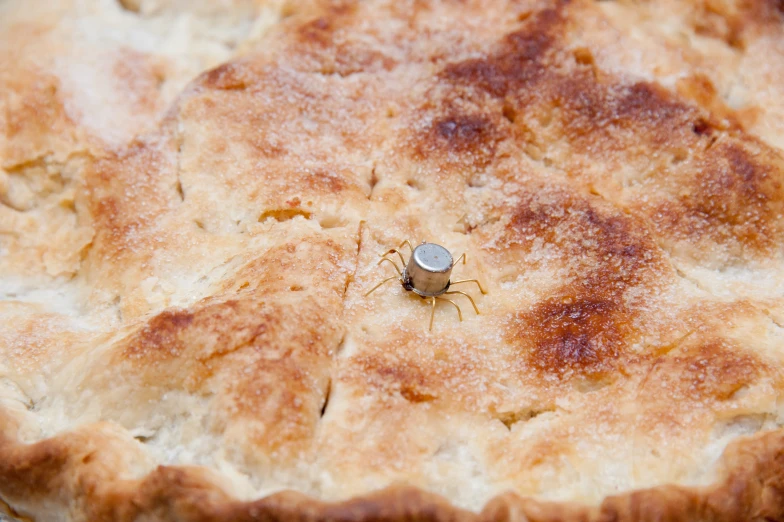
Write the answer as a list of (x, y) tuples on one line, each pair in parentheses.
[(194, 197)]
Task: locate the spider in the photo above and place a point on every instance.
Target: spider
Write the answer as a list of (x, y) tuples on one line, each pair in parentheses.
[(427, 274)]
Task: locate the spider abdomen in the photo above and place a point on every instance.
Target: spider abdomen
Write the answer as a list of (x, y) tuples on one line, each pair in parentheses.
[(428, 270)]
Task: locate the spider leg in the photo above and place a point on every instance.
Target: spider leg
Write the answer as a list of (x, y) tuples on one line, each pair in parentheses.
[(432, 311), (406, 242), (469, 281), (469, 298), (459, 313), (399, 272), (395, 251), (381, 283)]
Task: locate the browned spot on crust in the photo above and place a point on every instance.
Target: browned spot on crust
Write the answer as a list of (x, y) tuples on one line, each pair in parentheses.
[(578, 225), (471, 137), (584, 335), (585, 326), (520, 61), (718, 369), (230, 76), (180, 347), (322, 180), (160, 338), (462, 133), (466, 124), (41, 468), (735, 195), (594, 115), (317, 31), (710, 372), (327, 40), (414, 381)]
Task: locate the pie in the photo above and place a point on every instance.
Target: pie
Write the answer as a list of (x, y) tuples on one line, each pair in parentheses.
[(195, 195)]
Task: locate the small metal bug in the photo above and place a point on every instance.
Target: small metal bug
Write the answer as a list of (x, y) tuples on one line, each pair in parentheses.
[(427, 274)]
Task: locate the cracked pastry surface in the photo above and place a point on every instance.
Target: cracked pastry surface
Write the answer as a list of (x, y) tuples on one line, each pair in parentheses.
[(193, 197)]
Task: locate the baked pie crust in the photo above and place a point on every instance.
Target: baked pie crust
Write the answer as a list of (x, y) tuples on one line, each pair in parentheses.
[(194, 196)]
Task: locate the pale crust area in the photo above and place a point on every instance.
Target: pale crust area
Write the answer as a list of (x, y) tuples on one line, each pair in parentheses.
[(194, 197)]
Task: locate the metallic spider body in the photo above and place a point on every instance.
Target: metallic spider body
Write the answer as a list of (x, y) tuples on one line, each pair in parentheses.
[(427, 273)]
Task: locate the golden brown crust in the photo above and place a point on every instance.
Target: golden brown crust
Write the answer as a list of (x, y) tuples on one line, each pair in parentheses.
[(751, 490), (184, 331)]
